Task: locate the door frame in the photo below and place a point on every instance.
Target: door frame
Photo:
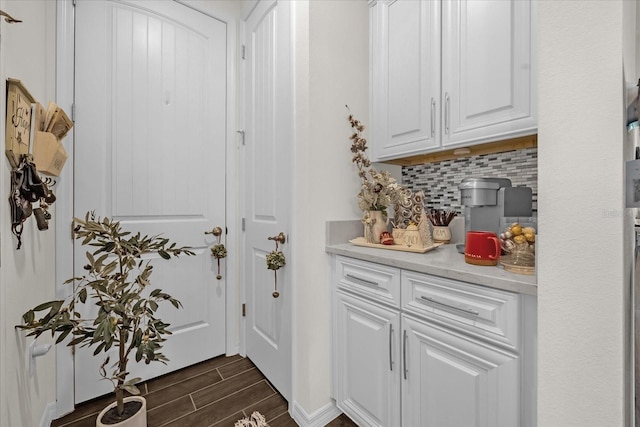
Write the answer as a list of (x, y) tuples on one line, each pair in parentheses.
[(65, 77)]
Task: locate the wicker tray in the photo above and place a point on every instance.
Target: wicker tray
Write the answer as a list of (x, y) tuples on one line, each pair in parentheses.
[(361, 241)]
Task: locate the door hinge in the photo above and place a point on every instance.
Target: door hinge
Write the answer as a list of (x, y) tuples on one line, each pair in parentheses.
[(241, 132), (244, 310), (244, 52), (74, 3), (73, 112), (243, 224)]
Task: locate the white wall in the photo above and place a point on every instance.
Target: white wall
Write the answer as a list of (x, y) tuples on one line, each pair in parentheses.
[(331, 69), (582, 281), (26, 276)]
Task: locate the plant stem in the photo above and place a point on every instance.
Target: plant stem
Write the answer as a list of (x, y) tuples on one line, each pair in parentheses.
[(122, 367)]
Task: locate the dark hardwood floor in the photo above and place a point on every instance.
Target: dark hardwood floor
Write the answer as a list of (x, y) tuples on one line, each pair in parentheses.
[(217, 392)]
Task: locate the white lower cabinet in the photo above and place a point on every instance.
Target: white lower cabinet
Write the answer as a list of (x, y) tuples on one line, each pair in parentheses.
[(366, 368), (419, 361), (451, 380)]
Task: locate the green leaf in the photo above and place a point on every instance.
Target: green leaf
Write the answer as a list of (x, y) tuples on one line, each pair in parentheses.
[(82, 295), (43, 306), (153, 305), (28, 317), (63, 336), (164, 254), (133, 381), (76, 341), (131, 389), (98, 349)]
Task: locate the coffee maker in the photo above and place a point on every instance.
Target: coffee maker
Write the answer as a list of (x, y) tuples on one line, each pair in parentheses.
[(487, 201)]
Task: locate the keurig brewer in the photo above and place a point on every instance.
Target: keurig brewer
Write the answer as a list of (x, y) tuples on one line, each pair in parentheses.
[(487, 200)]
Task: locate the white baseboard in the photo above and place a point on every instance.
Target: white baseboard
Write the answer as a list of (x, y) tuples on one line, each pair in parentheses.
[(319, 418), (48, 415)]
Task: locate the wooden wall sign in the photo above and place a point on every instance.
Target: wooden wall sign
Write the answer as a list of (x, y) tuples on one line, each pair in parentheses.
[(18, 124)]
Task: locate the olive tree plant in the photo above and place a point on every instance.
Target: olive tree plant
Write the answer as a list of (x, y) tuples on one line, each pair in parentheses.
[(117, 282)]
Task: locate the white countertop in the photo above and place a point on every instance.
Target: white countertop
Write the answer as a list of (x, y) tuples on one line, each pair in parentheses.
[(444, 261)]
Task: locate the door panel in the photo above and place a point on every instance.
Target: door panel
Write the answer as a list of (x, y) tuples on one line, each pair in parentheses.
[(268, 137), (454, 381), (150, 152), (405, 76), (487, 61), (368, 366)]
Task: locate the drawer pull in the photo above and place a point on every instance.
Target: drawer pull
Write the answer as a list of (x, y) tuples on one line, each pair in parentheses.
[(390, 351), (447, 113), (433, 117), (404, 353), (464, 310), (362, 281)]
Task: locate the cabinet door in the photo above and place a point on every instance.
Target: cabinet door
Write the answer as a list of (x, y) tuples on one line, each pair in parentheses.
[(366, 370), (405, 79), (488, 72), (454, 381)]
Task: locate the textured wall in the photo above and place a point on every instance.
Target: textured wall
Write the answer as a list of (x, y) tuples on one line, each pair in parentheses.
[(27, 276), (581, 280), (440, 180), (331, 69)]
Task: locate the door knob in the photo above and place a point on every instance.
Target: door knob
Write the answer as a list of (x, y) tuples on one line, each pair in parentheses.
[(216, 231), (280, 238), (275, 259), (218, 251)]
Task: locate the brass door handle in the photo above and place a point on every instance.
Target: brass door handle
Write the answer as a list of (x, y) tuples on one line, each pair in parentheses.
[(280, 238), (216, 231), (218, 251)]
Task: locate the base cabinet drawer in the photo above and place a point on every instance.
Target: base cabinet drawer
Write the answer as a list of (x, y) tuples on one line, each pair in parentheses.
[(479, 310), (368, 279)]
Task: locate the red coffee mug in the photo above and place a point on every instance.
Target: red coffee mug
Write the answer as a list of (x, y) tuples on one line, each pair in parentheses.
[(482, 248)]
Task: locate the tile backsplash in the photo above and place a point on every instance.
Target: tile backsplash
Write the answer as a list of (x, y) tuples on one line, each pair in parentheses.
[(440, 180)]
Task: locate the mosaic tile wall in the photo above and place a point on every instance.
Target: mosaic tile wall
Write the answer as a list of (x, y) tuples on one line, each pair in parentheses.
[(440, 180)]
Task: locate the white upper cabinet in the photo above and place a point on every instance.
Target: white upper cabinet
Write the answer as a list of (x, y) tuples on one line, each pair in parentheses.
[(405, 75), (450, 73), (487, 71)]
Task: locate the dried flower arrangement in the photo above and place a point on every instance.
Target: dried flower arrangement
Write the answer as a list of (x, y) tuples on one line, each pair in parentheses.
[(379, 189)]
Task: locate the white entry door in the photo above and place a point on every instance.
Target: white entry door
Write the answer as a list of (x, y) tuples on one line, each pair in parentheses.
[(150, 152), (268, 171)]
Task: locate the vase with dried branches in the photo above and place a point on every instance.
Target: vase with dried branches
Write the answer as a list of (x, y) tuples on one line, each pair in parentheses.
[(378, 189)]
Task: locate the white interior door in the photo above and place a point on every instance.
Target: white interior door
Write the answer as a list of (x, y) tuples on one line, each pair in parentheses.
[(150, 152), (268, 148)]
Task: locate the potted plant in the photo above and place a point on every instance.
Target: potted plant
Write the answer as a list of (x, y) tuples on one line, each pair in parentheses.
[(117, 281)]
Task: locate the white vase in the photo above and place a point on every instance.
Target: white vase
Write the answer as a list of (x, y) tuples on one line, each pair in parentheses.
[(441, 234), (375, 226), (137, 420), (398, 235)]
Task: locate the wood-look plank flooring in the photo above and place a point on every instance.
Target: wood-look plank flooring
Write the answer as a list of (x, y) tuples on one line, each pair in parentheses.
[(214, 393)]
